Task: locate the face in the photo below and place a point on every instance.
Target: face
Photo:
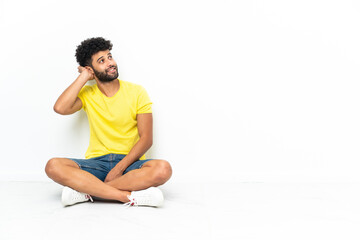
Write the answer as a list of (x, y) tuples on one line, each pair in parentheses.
[(104, 66)]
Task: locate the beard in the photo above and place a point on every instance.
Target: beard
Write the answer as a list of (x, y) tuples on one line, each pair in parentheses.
[(106, 76)]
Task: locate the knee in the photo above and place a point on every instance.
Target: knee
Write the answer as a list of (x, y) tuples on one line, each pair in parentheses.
[(163, 172), (51, 167)]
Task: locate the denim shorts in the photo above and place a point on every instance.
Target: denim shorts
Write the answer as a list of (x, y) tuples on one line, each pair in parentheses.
[(101, 166)]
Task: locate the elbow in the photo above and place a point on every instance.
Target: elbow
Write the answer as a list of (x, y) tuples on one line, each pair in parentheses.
[(56, 109), (149, 142), (59, 110)]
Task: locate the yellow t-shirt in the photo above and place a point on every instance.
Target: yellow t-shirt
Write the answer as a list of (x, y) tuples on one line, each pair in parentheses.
[(112, 120)]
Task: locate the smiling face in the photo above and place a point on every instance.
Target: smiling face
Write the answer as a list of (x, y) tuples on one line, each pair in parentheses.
[(104, 66)]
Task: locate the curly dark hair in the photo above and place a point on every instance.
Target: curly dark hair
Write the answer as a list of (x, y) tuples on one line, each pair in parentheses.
[(89, 47)]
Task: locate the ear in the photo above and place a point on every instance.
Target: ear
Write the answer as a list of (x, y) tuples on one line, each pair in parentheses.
[(90, 69)]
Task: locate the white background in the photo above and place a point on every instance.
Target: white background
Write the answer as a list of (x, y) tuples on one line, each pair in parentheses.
[(242, 90)]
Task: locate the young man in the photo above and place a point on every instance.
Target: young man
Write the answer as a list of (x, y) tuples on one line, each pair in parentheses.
[(120, 119)]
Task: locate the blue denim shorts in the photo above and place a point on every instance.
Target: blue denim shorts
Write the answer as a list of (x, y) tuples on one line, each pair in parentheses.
[(101, 166)]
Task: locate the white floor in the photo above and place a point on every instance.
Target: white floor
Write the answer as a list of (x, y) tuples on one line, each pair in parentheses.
[(191, 211)]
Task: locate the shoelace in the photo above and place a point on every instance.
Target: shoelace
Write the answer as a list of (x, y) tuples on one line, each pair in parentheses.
[(132, 202), (89, 197)]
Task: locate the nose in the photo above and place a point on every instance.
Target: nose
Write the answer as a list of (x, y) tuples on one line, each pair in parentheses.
[(111, 63)]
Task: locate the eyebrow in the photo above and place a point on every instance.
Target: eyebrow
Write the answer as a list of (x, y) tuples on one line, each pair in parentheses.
[(99, 58), (103, 56)]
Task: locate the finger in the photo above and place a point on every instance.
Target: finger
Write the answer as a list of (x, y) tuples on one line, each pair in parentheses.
[(108, 177)]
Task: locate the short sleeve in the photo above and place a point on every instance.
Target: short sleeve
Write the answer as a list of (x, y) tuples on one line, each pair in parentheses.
[(144, 103), (82, 95)]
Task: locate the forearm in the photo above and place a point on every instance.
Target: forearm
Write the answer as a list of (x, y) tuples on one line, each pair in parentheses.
[(68, 97), (136, 152)]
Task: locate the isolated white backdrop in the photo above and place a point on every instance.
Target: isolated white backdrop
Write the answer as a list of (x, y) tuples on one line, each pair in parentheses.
[(242, 90)]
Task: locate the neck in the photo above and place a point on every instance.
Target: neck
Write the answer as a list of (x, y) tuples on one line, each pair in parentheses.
[(109, 89)]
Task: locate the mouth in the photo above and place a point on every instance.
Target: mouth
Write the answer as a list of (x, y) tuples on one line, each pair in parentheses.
[(111, 70)]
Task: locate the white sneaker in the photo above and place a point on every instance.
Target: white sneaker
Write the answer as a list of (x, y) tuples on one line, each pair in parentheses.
[(152, 197), (70, 196)]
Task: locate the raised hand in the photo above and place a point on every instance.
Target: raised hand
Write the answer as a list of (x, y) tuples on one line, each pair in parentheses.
[(86, 72)]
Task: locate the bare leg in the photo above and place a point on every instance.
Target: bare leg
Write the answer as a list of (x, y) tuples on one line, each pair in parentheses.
[(66, 172), (153, 173)]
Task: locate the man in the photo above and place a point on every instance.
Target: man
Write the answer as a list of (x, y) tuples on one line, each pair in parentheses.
[(120, 119)]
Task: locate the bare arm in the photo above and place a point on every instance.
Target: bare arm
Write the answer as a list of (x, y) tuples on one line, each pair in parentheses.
[(68, 102), (145, 128)]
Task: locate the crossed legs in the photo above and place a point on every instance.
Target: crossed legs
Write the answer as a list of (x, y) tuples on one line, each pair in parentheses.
[(67, 173)]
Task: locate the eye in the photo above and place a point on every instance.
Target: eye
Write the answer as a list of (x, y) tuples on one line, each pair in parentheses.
[(110, 57)]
